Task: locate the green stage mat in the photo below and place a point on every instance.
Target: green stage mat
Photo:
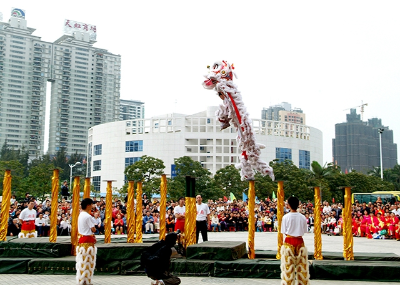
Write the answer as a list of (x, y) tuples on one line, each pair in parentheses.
[(216, 250), (356, 270), (120, 251), (14, 265), (248, 268), (271, 254), (34, 247)]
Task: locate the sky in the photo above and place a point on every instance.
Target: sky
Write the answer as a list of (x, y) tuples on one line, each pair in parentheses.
[(320, 56)]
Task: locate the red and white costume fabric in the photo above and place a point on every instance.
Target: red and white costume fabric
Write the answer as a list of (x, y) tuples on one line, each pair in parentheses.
[(86, 250), (180, 223), (294, 254), (28, 229)]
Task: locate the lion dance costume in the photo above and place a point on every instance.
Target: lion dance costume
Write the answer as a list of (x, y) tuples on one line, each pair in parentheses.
[(233, 111), (86, 250), (294, 254), (28, 229)]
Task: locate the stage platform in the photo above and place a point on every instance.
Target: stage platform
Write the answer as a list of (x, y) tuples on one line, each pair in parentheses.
[(217, 259)]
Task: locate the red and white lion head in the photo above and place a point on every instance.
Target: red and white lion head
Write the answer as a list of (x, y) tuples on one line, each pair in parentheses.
[(220, 70)]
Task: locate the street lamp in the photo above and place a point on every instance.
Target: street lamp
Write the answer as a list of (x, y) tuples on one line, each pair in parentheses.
[(380, 131), (70, 174)]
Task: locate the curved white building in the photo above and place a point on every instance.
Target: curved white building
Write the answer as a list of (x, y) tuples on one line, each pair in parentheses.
[(113, 146)]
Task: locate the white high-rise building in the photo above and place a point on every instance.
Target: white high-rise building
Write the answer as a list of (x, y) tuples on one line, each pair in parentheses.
[(131, 109), (85, 86)]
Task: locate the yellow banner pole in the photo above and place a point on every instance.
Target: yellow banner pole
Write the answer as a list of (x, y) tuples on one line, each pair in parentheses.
[(86, 188), (252, 222), (280, 209), (347, 226), (317, 224), (163, 206), (55, 184), (108, 217), (139, 213), (130, 213), (190, 212), (5, 205), (75, 214)]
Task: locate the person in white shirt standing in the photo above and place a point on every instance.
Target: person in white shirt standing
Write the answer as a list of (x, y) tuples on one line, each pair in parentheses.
[(294, 254), (27, 219), (202, 217), (85, 251), (179, 212)]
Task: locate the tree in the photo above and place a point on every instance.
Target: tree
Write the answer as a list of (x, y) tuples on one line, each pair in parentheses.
[(228, 180), (149, 170), (40, 179), (264, 186), (17, 177)]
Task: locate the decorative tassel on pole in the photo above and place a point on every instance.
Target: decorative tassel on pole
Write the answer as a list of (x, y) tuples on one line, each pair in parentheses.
[(130, 212), (280, 207), (5, 206), (190, 211), (55, 184), (75, 214), (317, 224), (108, 217), (139, 213), (252, 222), (163, 206), (347, 226), (86, 188)]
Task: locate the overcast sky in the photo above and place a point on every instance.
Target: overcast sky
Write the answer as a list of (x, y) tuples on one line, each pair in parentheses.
[(320, 56)]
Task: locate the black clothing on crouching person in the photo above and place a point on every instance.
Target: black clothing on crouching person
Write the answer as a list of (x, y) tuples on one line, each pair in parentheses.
[(156, 260)]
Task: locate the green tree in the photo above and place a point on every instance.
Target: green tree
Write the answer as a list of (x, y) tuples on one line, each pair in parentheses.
[(17, 177), (264, 186), (39, 179), (228, 180)]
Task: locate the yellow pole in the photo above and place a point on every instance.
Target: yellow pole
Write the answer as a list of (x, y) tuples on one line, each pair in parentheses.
[(108, 217), (139, 213), (317, 224), (347, 226), (5, 206), (75, 214), (86, 188), (190, 213), (163, 206), (130, 212), (54, 205), (280, 207), (252, 222)]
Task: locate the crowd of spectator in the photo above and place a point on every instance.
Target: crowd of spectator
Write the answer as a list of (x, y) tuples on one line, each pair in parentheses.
[(372, 220)]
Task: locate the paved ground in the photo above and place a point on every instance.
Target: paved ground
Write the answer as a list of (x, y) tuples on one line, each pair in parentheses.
[(26, 279)]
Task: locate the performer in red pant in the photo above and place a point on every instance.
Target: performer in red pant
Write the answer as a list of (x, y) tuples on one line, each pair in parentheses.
[(294, 255), (27, 219), (179, 212)]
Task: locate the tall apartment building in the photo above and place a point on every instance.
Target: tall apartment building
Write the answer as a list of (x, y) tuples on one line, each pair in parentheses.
[(130, 109), (283, 112), (356, 144), (85, 86)]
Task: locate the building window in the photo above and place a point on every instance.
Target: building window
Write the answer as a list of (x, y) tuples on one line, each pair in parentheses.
[(96, 165), (304, 159), (97, 149), (133, 146), (283, 153), (96, 183), (131, 160)]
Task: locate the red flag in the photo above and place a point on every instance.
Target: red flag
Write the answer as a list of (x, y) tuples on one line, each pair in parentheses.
[(333, 200), (225, 199), (345, 171)]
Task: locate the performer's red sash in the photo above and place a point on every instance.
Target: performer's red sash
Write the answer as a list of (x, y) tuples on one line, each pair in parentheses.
[(180, 225), (295, 241), (28, 226), (87, 239)]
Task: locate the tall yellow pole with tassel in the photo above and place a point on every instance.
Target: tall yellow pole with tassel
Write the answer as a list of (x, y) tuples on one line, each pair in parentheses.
[(163, 206), (280, 209), (86, 188), (190, 211), (55, 184), (108, 217), (252, 222), (75, 214), (317, 224), (347, 226), (139, 213), (5, 206), (130, 212)]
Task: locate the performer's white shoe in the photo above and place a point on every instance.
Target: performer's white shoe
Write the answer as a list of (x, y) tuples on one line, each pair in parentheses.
[(157, 282)]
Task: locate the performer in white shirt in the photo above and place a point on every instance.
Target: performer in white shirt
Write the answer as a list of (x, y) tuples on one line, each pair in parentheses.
[(85, 251), (202, 217), (294, 255), (179, 212), (27, 219)]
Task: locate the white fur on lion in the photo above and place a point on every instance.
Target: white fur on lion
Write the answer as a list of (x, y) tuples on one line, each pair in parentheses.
[(291, 264), (85, 258), (28, 235)]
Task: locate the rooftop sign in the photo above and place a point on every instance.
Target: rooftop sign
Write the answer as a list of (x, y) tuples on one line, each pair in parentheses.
[(71, 27), (18, 13)]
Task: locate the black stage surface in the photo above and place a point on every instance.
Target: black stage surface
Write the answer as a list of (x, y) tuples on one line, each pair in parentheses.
[(218, 259)]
